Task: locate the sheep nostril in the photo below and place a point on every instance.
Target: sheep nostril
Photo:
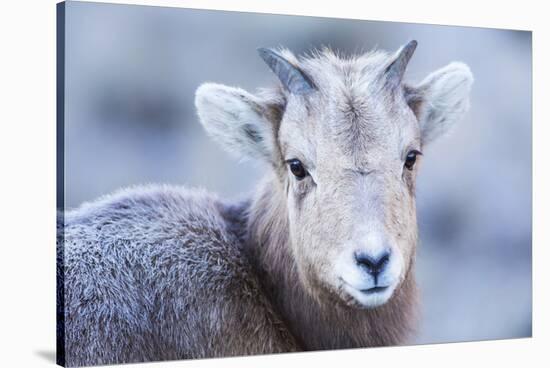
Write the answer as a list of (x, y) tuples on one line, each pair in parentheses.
[(373, 265)]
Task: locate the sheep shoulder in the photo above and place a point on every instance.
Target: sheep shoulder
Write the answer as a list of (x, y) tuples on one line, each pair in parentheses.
[(156, 273)]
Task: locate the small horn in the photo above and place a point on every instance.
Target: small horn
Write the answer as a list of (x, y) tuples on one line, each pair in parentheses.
[(396, 69), (292, 78)]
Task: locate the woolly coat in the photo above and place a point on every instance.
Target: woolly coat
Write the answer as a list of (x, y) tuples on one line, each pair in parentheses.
[(160, 273)]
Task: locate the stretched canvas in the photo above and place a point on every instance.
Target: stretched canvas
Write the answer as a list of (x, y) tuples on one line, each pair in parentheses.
[(233, 184)]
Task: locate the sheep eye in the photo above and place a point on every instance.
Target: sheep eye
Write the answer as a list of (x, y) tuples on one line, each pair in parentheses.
[(297, 169), (410, 160)]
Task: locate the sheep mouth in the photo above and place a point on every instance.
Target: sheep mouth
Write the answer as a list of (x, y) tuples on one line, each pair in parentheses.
[(366, 297), (374, 290)]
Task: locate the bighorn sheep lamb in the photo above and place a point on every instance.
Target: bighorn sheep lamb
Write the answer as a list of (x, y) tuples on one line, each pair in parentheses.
[(322, 256)]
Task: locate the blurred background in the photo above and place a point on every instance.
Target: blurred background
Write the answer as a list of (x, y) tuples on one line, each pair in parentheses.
[(131, 74)]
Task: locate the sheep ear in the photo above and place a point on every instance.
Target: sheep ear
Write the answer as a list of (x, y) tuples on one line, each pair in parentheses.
[(441, 99), (236, 119)]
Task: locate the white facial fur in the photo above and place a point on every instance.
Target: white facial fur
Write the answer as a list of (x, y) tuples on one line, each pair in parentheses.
[(352, 219)]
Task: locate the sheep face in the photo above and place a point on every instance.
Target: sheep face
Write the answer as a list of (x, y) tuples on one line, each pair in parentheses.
[(345, 138)]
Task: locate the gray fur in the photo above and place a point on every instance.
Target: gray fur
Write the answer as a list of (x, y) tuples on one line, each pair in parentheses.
[(156, 273)]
